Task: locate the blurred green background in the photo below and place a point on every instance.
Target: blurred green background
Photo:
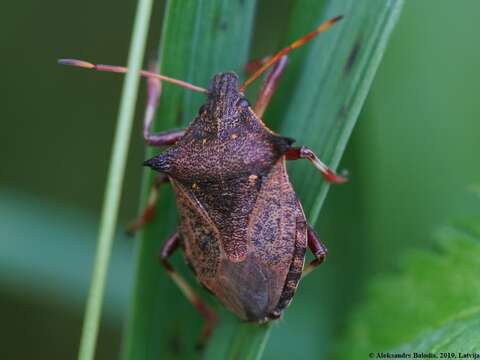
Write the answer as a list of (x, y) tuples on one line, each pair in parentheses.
[(413, 155)]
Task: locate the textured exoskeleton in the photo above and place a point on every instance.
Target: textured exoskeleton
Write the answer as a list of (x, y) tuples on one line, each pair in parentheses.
[(243, 229)]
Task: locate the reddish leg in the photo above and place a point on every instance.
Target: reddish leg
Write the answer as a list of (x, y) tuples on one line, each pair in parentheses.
[(269, 86), (153, 95), (317, 248), (205, 311), (153, 139), (295, 153), (149, 210), (256, 64)]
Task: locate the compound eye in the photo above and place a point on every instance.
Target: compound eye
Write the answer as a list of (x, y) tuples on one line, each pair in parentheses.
[(243, 103)]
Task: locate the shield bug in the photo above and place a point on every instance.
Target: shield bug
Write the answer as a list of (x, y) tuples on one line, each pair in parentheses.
[(242, 229)]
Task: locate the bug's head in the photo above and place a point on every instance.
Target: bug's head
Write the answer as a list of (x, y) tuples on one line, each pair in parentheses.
[(224, 96), (223, 83)]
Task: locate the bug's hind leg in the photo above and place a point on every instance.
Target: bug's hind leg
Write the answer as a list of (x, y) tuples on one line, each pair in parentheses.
[(154, 90), (205, 311), (149, 210), (318, 249), (269, 86), (295, 153)]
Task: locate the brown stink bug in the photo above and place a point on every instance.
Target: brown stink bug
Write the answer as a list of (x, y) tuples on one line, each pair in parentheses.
[(242, 228)]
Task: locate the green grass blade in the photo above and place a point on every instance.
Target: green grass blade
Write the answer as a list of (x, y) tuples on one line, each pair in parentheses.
[(114, 182), (199, 39), (249, 342), (332, 88), (336, 72)]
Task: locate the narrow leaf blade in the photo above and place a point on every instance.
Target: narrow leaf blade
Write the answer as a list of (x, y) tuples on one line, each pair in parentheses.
[(322, 106)]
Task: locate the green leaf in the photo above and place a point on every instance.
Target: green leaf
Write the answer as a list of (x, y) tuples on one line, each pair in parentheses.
[(460, 336), (248, 342), (432, 305), (332, 86), (322, 98)]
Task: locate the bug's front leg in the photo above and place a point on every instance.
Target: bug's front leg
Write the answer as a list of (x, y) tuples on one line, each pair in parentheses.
[(295, 153), (318, 249), (270, 86), (154, 90), (205, 311), (149, 210)]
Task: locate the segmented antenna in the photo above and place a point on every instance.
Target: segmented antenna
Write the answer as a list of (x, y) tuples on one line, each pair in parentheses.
[(121, 69), (296, 44)]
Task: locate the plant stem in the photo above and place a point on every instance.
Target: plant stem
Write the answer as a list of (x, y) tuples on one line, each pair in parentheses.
[(249, 341), (115, 181)]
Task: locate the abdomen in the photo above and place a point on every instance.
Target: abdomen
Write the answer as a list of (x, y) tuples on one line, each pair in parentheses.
[(253, 269)]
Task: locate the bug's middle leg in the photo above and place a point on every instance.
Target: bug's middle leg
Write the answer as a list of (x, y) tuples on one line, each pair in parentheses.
[(318, 249), (269, 86), (168, 248), (154, 90), (295, 153), (151, 206)]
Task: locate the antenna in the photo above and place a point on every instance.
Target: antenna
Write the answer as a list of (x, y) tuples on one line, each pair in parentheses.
[(123, 70), (296, 44)]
